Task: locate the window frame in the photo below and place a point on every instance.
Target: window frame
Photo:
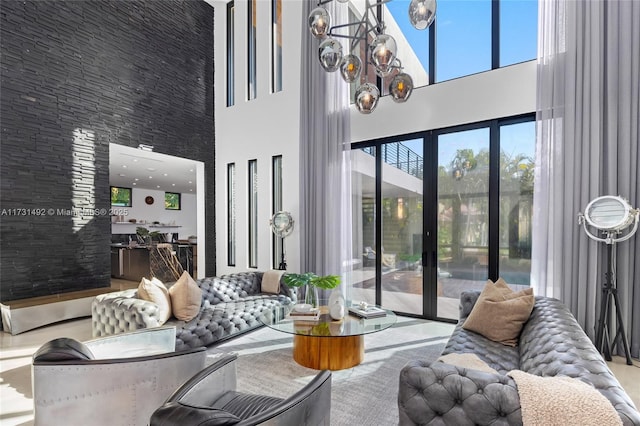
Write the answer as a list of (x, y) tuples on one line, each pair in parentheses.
[(179, 200)]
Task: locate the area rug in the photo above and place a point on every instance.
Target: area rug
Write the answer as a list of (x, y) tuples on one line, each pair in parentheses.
[(365, 394)]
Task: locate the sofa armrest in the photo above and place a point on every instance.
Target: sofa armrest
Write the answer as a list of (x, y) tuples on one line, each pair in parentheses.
[(438, 393), (121, 311)]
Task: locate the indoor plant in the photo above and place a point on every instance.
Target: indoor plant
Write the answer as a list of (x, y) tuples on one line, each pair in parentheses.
[(312, 283)]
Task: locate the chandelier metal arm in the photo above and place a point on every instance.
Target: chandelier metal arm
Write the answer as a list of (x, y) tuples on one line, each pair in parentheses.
[(375, 49)]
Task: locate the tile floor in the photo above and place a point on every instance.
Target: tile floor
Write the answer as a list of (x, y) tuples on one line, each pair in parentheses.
[(16, 406)]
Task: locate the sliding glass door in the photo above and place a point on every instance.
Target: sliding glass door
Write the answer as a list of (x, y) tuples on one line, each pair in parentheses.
[(463, 216), (401, 208), (441, 212), (387, 221)]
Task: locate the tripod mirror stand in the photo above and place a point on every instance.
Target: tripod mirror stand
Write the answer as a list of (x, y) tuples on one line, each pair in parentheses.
[(611, 215), (609, 292)]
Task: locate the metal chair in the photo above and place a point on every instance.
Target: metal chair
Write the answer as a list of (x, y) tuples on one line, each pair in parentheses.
[(115, 380), (210, 398)]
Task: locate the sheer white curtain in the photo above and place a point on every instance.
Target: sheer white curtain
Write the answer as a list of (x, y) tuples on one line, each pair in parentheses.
[(588, 115), (325, 172)]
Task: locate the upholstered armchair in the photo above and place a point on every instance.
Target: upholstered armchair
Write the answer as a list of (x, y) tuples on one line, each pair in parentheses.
[(115, 380), (210, 398)]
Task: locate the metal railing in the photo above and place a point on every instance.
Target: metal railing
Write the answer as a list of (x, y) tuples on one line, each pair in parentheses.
[(401, 157)]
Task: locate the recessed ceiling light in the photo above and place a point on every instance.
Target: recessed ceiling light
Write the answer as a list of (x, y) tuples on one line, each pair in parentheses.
[(151, 169), (137, 179), (157, 186), (135, 160), (173, 184), (122, 175), (134, 184), (165, 174), (191, 190), (150, 177), (190, 182), (124, 166), (190, 170)]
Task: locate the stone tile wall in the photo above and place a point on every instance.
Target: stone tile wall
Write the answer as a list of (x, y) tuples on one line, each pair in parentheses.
[(76, 76)]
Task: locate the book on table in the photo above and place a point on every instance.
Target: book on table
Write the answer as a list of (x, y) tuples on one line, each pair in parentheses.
[(310, 315), (368, 312)]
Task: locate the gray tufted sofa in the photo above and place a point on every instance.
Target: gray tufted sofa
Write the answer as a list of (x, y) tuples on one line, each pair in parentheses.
[(551, 344), (231, 304)]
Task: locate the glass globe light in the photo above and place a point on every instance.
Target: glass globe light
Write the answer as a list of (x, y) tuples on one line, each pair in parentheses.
[(350, 68), (383, 53), (401, 87), (367, 96), (330, 54), (422, 13), (319, 22)]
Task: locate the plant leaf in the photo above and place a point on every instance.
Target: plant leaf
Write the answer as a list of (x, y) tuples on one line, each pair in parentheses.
[(326, 282)]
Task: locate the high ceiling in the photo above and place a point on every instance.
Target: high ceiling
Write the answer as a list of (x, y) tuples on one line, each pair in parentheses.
[(137, 168)]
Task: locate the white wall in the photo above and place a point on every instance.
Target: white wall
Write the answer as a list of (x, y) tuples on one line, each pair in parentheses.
[(269, 125), (499, 93), (257, 129), (185, 218)]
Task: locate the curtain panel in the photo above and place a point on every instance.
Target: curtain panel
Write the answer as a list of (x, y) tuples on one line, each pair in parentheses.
[(325, 173), (588, 114)]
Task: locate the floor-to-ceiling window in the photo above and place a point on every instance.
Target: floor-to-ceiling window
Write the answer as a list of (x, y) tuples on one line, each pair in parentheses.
[(462, 242), (440, 212)]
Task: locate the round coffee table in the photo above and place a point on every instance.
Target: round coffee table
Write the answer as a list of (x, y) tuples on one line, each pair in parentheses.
[(328, 344)]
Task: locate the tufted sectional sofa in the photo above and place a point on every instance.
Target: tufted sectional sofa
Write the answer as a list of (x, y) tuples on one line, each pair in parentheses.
[(551, 344), (231, 304)]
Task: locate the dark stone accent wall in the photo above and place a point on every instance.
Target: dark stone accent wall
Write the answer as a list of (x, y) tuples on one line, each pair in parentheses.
[(76, 76)]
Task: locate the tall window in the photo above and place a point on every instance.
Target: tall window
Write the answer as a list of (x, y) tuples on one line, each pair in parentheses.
[(253, 213), (276, 184), (518, 31), (231, 214), (467, 37), (251, 49), (463, 41), (230, 53), (517, 153), (276, 45), (444, 210)]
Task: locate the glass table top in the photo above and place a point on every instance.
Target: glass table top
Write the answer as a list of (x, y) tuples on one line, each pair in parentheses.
[(326, 326)]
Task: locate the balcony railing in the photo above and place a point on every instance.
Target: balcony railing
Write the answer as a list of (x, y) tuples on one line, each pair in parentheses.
[(401, 157)]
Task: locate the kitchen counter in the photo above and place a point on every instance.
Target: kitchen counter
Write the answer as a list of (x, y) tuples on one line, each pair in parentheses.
[(133, 262)]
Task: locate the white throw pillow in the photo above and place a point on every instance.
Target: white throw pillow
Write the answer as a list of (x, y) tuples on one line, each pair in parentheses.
[(155, 291)]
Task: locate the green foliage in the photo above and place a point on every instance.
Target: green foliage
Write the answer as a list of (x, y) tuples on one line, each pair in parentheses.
[(142, 231), (171, 201), (120, 196), (326, 282)]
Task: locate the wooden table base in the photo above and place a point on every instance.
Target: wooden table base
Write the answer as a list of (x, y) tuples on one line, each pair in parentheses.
[(328, 353)]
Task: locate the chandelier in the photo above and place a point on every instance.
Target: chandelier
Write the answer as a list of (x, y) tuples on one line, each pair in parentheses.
[(380, 50)]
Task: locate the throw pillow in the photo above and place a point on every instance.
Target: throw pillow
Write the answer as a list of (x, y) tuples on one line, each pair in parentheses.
[(155, 291), (186, 297), (271, 282), (500, 313)]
